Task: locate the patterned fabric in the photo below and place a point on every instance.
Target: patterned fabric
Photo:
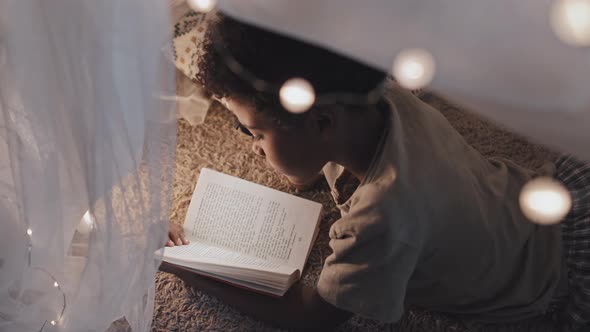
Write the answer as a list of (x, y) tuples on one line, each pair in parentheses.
[(191, 101), (188, 31), (575, 314)]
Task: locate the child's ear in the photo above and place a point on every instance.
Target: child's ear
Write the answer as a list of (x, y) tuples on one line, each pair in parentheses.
[(325, 120)]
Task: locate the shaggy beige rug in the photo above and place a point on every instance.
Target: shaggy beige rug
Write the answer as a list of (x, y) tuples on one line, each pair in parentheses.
[(215, 144)]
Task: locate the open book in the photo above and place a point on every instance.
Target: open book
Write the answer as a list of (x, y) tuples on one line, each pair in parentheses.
[(246, 234)]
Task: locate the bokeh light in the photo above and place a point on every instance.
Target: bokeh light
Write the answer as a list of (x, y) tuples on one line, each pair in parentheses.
[(545, 201), (414, 68), (570, 20), (297, 95), (202, 6)]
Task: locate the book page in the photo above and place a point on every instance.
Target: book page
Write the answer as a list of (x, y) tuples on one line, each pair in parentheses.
[(199, 255), (265, 289), (251, 219)]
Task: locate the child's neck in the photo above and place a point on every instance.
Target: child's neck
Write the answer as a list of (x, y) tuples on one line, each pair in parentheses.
[(359, 140)]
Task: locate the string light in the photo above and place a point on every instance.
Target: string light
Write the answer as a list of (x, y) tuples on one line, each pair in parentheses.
[(414, 68), (202, 6), (545, 201), (55, 283), (297, 95), (570, 20), (87, 218), (86, 224)]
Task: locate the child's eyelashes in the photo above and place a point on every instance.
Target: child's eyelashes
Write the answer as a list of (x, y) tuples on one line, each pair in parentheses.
[(240, 127), (246, 131)]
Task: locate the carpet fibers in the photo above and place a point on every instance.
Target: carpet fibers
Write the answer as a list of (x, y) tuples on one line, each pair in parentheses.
[(215, 144)]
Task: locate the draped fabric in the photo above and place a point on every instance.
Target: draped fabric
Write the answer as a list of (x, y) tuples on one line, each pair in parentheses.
[(498, 58), (85, 125)]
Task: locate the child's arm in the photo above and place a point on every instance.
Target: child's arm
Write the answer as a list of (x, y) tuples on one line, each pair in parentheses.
[(301, 308)]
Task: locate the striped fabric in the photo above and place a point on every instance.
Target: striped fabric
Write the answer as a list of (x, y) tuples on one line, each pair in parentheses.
[(575, 314)]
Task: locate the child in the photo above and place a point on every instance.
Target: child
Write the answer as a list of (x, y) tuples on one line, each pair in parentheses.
[(429, 222)]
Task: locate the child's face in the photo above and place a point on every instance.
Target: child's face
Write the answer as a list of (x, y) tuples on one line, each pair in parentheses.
[(295, 152)]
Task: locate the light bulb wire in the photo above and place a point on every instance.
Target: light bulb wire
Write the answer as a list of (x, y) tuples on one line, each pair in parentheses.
[(58, 286), (55, 283)]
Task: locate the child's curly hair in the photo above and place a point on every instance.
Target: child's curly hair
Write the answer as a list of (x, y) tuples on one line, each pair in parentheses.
[(274, 58)]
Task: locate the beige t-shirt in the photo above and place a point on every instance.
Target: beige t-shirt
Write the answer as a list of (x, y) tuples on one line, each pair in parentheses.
[(435, 224)]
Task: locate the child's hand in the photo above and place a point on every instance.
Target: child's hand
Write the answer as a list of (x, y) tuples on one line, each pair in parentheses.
[(176, 236)]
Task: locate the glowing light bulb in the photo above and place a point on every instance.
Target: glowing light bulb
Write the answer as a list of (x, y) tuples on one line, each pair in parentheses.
[(545, 201), (53, 322), (570, 20), (297, 95), (55, 284), (86, 224), (202, 6), (29, 232), (87, 218), (414, 68)]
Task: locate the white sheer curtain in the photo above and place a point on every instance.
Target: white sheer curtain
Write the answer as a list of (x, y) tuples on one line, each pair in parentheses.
[(83, 127), (500, 58)]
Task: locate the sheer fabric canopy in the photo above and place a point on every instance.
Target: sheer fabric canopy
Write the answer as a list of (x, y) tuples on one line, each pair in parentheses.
[(83, 127), (499, 58)]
